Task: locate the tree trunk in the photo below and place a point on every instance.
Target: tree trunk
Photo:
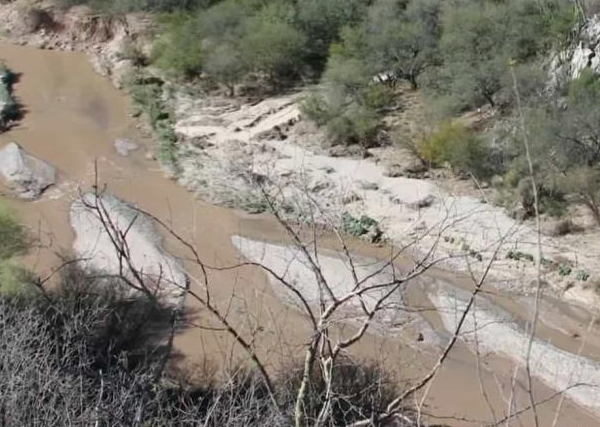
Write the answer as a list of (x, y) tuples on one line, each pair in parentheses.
[(593, 204), (412, 79), (309, 359), (231, 88)]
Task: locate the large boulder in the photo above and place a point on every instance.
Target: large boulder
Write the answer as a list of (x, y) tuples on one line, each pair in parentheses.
[(26, 175), (99, 220)]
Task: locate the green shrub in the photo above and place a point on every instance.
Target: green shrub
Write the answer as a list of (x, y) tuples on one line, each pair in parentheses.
[(273, 47), (565, 270), (551, 200), (360, 227), (583, 275), (455, 145), (519, 255), (13, 237), (148, 99), (316, 109), (9, 108), (15, 281), (178, 51), (584, 86), (355, 123), (584, 183), (167, 145)]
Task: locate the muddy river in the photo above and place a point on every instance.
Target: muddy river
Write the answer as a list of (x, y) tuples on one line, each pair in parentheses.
[(71, 118)]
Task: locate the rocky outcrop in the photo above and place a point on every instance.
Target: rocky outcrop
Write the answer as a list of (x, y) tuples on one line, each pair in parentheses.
[(107, 39), (98, 221), (26, 175), (568, 64)]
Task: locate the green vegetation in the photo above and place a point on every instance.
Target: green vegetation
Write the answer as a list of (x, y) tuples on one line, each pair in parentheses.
[(481, 38), (462, 149), (148, 98), (582, 275), (463, 55), (12, 235), (565, 270), (9, 108), (14, 280), (519, 255), (361, 227), (176, 51)]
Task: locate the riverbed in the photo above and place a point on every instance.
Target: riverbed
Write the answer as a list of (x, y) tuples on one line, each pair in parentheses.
[(72, 117)]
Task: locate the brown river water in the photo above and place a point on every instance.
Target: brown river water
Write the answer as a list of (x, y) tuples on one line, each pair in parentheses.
[(71, 118)]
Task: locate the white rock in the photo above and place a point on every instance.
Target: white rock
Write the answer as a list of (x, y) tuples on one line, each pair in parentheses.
[(125, 146), (26, 175), (568, 64), (160, 271)]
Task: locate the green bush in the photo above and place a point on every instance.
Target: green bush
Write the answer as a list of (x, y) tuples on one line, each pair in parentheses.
[(178, 51), (273, 47), (356, 123), (551, 199), (315, 107), (9, 108), (13, 238), (519, 255), (565, 270), (360, 227), (167, 144), (148, 99), (481, 38), (351, 105), (585, 86), (15, 281), (460, 148), (583, 275), (322, 20)]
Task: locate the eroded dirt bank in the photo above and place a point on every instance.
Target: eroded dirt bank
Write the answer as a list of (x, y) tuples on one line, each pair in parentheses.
[(72, 117)]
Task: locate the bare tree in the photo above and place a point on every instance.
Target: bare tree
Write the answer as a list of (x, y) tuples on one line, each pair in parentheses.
[(338, 315)]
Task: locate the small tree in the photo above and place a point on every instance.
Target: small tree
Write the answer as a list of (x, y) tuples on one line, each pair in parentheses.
[(480, 39), (322, 21), (463, 150), (224, 64), (178, 51), (273, 47), (474, 60), (404, 43)]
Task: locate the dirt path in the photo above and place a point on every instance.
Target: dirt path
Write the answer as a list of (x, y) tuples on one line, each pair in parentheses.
[(72, 117)]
